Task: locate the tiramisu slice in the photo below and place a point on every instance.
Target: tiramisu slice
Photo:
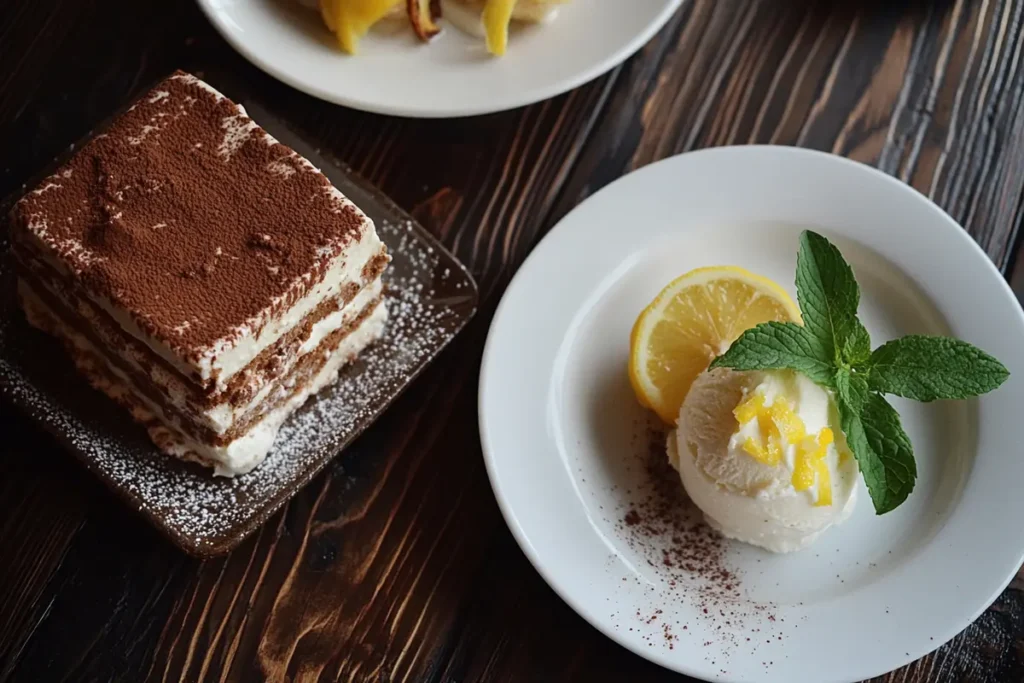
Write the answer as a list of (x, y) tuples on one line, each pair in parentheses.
[(199, 272)]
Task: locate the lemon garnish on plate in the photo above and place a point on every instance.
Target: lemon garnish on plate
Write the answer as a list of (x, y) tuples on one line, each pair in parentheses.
[(496, 17), (350, 20), (693, 319)]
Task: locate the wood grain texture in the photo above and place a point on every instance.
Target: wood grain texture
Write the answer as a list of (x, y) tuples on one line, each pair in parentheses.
[(394, 564), (1017, 283)]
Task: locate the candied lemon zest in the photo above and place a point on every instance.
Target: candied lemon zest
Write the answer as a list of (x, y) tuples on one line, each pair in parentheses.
[(788, 422), (770, 451), (811, 464), (779, 424), (755, 449), (749, 409)]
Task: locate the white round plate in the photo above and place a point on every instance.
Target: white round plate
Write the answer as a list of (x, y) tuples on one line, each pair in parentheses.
[(452, 75), (560, 425)]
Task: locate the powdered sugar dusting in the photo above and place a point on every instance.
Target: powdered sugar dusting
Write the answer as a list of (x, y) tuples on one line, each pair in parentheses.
[(281, 169), (46, 187), (189, 78), (206, 514), (237, 130)]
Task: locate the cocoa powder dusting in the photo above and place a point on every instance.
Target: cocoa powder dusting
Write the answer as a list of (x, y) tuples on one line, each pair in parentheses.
[(669, 532), (189, 216)]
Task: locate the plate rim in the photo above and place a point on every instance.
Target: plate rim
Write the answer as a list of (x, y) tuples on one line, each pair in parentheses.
[(1006, 296), (419, 112)]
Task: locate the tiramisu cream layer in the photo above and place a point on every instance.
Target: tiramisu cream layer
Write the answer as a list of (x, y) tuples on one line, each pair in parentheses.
[(199, 272)]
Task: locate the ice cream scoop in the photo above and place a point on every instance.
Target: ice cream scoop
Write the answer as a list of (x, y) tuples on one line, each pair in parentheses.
[(762, 455)]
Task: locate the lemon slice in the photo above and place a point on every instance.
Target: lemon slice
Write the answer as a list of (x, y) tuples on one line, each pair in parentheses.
[(350, 20), (693, 320)]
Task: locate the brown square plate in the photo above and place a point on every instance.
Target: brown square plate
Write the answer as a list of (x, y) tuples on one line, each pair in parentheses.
[(431, 296)]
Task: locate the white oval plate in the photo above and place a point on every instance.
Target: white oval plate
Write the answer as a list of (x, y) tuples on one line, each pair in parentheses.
[(451, 76), (559, 421)]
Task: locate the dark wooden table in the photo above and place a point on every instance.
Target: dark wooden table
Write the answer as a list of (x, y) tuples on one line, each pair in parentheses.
[(394, 564)]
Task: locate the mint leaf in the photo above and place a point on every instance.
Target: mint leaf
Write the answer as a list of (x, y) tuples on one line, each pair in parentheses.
[(856, 347), (829, 295), (779, 346), (883, 451), (931, 368), (852, 389)]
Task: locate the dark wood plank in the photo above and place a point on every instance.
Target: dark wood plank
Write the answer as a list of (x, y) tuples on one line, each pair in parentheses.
[(368, 563), (394, 564), (929, 93), (887, 86), (35, 534), (1017, 280)]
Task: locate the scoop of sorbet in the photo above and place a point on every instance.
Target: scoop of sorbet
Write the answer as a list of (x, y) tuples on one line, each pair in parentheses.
[(762, 455)]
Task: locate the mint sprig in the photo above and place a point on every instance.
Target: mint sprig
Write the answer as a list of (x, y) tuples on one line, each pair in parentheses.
[(780, 346), (829, 296), (932, 368), (882, 449), (833, 349)]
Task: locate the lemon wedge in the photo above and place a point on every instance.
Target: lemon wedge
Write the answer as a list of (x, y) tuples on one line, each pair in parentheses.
[(693, 320), (350, 20), (496, 17)]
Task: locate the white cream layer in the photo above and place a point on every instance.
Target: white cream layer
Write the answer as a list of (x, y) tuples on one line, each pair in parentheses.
[(244, 453), (230, 355), (247, 452), (221, 417)]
